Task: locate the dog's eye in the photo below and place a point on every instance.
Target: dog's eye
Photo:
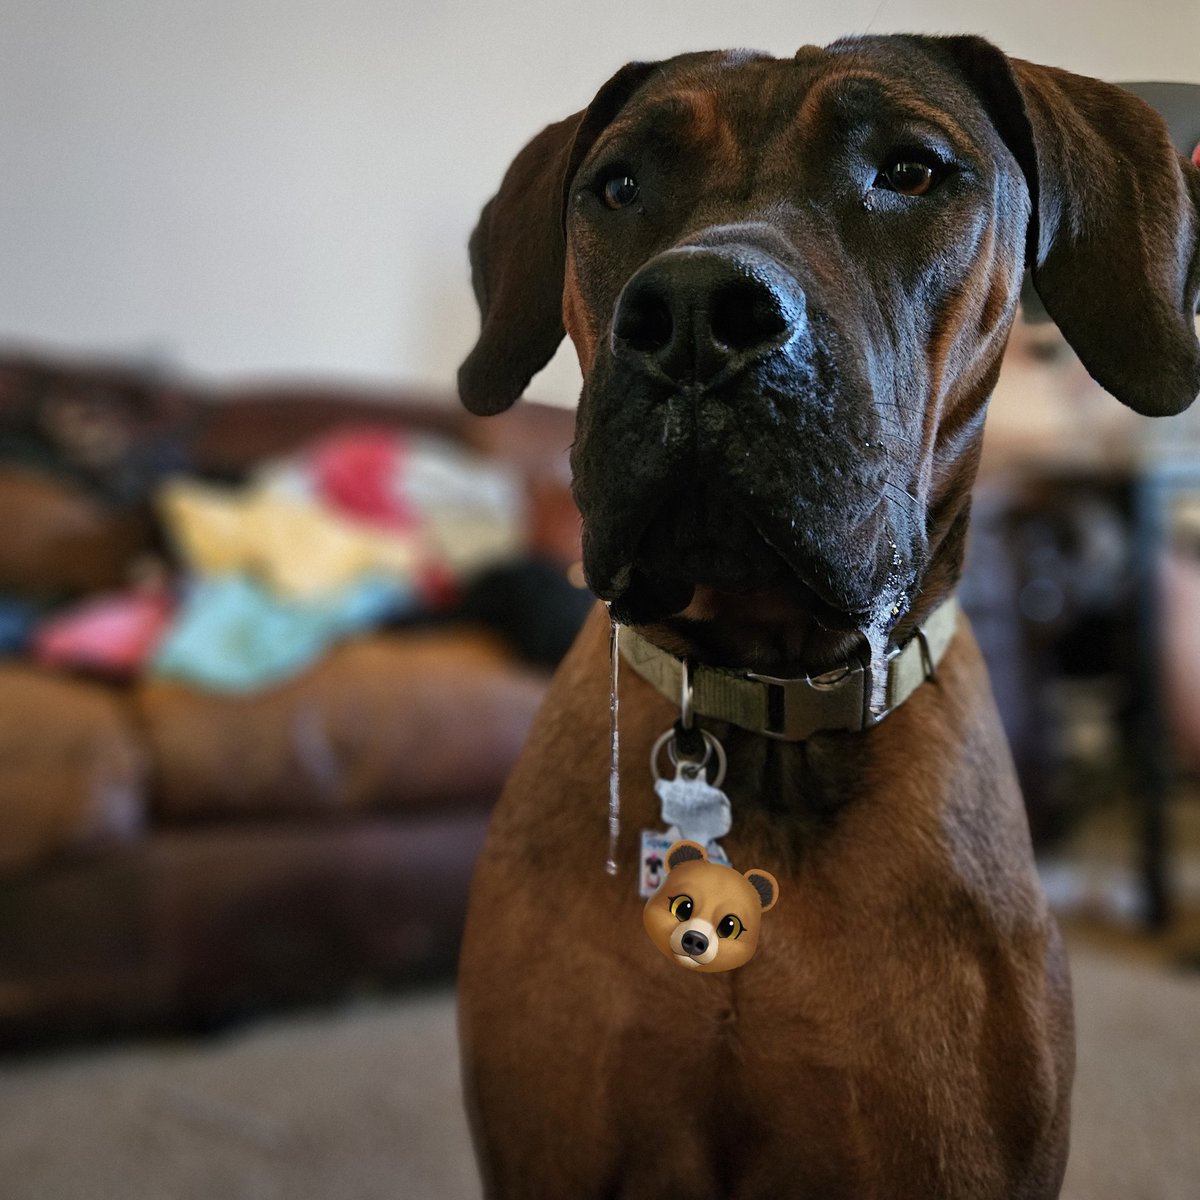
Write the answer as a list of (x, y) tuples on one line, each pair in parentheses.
[(681, 907), (907, 175), (729, 926), (620, 191)]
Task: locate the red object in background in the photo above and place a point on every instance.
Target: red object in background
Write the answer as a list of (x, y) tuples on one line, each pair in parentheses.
[(438, 587), (356, 472), (113, 634)]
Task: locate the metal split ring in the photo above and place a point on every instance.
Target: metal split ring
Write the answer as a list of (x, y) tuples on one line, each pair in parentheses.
[(686, 716), (712, 749)]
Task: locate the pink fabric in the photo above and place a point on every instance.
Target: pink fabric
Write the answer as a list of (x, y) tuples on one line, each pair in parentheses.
[(114, 634), (355, 473)]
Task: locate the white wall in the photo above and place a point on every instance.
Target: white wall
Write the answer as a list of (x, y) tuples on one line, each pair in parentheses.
[(247, 186)]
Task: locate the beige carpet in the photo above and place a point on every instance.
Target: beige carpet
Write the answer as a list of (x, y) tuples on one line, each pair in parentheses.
[(363, 1104)]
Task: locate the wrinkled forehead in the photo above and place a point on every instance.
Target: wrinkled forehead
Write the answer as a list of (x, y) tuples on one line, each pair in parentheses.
[(740, 97)]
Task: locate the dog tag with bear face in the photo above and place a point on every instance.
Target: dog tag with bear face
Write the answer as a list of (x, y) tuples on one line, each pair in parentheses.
[(706, 917)]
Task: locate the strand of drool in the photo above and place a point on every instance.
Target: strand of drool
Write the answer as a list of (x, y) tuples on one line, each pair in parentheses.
[(614, 762)]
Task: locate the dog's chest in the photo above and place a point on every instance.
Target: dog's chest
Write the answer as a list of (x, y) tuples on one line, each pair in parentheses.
[(800, 1080)]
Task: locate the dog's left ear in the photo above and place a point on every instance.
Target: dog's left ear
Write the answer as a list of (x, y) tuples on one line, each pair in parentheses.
[(518, 253), (1114, 239)]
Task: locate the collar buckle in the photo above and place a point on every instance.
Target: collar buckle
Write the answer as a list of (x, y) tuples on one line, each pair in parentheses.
[(839, 695)]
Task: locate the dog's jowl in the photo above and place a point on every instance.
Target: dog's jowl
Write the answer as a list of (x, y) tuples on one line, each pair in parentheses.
[(789, 283)]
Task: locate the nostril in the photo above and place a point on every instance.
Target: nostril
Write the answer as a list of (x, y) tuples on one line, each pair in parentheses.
[(694, 943), (745, 314), (644, 322), (697, 316)]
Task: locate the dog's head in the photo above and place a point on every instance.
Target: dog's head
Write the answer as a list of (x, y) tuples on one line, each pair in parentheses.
[(706, 916), (789, 284)]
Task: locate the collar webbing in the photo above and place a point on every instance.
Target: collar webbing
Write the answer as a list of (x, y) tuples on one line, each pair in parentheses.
[(794, 709)]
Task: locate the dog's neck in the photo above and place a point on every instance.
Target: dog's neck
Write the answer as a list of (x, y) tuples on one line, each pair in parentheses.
[(851, 697)]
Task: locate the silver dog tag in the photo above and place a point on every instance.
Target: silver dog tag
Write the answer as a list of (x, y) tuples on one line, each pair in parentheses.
[(698, 810)]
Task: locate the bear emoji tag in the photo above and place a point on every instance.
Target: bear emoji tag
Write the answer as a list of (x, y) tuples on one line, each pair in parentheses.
[(706, 917)]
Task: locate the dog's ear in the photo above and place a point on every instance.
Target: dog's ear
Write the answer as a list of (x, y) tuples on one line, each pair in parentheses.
[(1114, 237), (682, 852), (764, 884), (518, 253)]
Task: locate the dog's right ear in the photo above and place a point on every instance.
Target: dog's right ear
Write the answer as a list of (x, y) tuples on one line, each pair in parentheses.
[(518, 253)]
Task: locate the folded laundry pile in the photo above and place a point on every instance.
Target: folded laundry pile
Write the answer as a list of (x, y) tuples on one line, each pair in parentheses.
[(360, 529), (233, 634)]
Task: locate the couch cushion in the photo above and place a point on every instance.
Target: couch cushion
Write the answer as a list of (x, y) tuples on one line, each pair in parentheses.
[(58, 538), (74, 772), (392, 721), (201, 925)]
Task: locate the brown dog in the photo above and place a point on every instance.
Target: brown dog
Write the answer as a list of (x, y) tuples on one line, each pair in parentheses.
[(789, 283)]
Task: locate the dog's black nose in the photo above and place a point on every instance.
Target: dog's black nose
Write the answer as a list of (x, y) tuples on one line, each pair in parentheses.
[(694, 943), (694, 312)]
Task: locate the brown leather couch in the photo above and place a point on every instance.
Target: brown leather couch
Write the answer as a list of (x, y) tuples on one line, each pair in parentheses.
[(171, 856)]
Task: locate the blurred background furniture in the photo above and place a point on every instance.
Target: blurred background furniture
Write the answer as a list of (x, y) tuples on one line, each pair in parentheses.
[(173, 855), (1086, 497)]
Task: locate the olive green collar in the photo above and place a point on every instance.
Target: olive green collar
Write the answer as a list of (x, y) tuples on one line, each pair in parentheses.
[(794, 709)]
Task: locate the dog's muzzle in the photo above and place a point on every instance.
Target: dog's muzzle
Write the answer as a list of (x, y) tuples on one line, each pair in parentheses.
[(729, 440)]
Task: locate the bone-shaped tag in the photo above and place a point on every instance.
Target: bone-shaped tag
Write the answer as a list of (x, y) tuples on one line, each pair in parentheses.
[(700, 811)]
